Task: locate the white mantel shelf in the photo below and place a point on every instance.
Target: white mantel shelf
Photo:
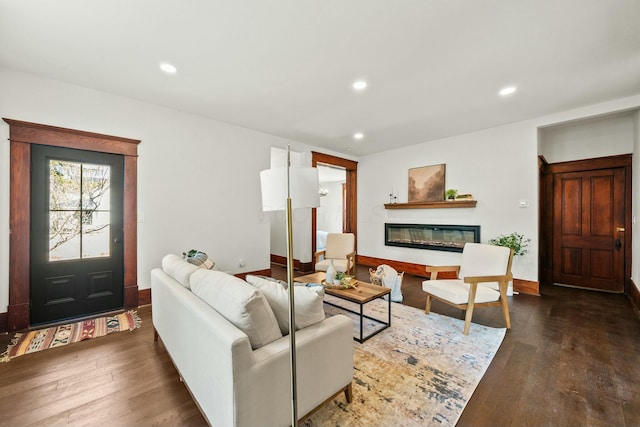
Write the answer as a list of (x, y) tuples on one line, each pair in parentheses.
[(433, 205)]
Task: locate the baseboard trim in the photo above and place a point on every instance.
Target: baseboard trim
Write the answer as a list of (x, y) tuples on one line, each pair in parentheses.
[(414, 269), (304, 267), (528, 287), (4, 325), (519, 285), (144, 297)]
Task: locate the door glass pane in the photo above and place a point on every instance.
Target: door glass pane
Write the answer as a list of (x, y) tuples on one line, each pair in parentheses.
[(64, 185), (64, 235), (79, 210), (95, 187), (95, 235)]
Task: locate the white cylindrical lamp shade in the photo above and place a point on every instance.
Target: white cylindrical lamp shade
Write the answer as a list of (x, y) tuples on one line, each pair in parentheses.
[(304, 188)]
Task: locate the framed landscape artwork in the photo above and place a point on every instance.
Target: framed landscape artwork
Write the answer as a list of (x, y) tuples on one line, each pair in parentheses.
[(426, 184)]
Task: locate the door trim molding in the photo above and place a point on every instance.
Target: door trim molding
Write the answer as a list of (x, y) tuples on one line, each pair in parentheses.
[(22, 135), (547, 171)]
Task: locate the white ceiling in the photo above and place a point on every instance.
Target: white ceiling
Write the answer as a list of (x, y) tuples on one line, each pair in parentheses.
[(285, 67)]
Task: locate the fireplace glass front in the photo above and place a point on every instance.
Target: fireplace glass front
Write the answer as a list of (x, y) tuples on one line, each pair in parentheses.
[(427, 236)]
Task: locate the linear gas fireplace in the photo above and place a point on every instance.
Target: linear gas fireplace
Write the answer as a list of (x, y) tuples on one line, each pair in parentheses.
[(427, 236)]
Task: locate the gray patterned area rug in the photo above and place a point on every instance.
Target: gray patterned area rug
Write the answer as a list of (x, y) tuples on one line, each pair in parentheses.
[(419, 372)]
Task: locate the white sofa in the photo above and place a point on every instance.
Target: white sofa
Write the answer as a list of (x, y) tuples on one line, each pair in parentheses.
[(233, 384)]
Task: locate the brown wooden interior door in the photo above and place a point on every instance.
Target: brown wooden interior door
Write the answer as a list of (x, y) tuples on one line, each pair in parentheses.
[(588, 222)]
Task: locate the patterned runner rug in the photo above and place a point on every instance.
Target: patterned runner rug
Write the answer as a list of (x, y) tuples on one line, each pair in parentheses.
[(42, 339), (419, 372)]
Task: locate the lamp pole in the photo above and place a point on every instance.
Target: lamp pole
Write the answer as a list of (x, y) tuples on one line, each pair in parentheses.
[(292, 312)]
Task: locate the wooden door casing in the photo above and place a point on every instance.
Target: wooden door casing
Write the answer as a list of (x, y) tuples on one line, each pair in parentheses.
[(22, 135)]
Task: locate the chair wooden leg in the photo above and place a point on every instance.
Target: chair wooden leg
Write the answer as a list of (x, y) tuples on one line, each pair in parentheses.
[(505, 310), (348, 393), (469, 315), (467, 318), (427, 307)]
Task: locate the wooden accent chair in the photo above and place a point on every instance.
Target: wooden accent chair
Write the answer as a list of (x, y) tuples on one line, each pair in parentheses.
[(341, 248), (482, 280)]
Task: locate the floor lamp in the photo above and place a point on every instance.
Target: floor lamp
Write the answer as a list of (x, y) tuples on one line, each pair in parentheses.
[(290, 188)]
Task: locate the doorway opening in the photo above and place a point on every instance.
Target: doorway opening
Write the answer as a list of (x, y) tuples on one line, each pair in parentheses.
[(339, 214), (585, 218), (331, 215), (585, 194)]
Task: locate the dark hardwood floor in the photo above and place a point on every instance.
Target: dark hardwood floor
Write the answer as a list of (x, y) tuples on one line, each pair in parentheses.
[(572, 358)]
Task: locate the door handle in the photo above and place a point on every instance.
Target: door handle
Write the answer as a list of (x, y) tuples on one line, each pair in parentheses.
[(618, 243)]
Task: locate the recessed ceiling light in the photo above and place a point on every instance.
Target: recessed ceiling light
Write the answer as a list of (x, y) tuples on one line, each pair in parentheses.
[(358, 135), (508, 90), (360, 85), (168, 68)]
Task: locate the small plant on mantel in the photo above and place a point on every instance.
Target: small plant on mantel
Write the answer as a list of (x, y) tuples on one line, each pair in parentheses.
[(515, 241), (450, 194)]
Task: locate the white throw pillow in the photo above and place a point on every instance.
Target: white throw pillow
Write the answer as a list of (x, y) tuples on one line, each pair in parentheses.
[(308, 302), (240, 303), (178, 268)]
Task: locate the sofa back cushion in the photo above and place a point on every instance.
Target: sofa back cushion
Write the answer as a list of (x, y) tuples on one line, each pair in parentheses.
[(178, 268), (239, 302), (308, 302)]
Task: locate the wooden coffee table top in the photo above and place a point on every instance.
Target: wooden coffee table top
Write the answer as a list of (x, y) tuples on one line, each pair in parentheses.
[(362, 293)]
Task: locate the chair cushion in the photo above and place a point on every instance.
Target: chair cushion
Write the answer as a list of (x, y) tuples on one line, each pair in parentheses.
[(339, 245), (178, 268), (484, 260), (308, 302), (240, 303), (457, 292), (338, 264)]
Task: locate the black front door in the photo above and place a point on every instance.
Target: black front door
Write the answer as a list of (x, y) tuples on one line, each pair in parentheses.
[(76, 233)]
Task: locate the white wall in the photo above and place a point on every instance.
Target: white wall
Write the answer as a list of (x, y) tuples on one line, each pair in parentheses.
[(498, 166), (329, 215), (198, 179), (607, 135), (471, 167)]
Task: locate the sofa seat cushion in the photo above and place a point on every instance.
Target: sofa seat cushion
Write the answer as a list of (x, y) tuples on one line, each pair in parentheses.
[(456, 291), (178, 268), (239, 302), (308, 302)]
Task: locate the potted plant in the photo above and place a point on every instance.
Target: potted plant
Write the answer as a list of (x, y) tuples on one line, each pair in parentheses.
[(515, 241), (450, 194)]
